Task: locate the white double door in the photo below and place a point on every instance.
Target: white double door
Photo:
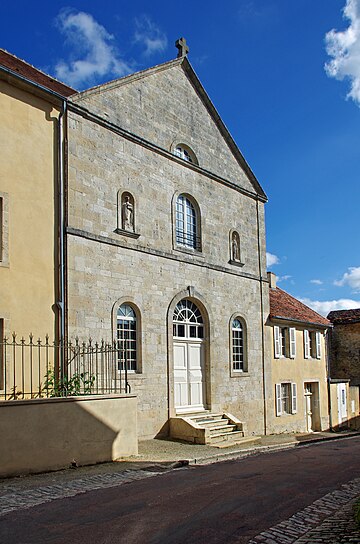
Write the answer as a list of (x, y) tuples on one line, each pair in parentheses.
[(189, 379)]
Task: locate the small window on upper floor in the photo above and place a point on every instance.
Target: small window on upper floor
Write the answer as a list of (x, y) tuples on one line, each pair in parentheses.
[(184, 152)]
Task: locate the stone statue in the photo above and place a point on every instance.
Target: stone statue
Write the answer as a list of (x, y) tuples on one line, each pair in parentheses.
[(127, 214), (235, 247)]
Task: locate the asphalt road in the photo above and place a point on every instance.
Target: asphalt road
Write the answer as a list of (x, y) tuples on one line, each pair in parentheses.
[(221, 503)]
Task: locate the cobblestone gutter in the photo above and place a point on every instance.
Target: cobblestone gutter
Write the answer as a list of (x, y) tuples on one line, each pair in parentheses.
[(328, 520)]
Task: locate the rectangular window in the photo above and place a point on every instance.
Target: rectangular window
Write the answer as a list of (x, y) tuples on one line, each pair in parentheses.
[(126, 336), (312, 344), (286, 398), (284, 342)]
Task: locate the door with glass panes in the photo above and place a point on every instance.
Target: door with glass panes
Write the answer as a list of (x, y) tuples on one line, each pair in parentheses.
[(189, 367)]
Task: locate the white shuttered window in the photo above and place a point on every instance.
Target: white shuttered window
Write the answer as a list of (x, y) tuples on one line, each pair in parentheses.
[(276, 342), (318, 345), (292, 335), (306, 344)]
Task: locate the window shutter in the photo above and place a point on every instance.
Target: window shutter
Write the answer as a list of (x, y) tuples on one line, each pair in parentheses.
[(278, 398), (292, 334), (293, 399), (318, 345), (277, 342), (306, 345)]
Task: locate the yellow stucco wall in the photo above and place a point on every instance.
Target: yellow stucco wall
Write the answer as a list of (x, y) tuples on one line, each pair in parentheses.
[(300, 371), (27, 180), (49, 434)]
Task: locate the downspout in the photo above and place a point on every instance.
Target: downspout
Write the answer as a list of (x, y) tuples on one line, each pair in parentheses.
[(262, 318), (61, 301)]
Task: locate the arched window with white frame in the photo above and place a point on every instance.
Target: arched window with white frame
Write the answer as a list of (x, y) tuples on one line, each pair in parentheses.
[(238, 346), (187, 227), (126, 333), (185, 153)]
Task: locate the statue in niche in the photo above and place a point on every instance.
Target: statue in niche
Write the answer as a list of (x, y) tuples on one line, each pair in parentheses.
[(127, 214), (235, 247)]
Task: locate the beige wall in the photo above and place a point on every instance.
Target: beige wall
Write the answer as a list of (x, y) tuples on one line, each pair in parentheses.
[(352, 418), (300, 371), (27, 181), (49, 434)]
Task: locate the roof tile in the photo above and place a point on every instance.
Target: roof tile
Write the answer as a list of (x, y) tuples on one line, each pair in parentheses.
[(285, 306), (344, 316), (30, 72)]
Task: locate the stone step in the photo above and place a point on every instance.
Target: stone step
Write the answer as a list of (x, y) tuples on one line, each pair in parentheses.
[(206, 417), (229, 428), (212, 422), (222, 437)]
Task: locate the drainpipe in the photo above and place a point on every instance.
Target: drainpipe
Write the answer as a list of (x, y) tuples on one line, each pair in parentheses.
[(61, 301), (262, 318)]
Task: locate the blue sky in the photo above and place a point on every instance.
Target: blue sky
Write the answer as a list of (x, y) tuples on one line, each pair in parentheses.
[(263, 64)]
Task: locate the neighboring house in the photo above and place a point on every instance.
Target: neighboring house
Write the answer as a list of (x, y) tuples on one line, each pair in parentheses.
[(344, 363), (166, 247), (31, 143), (344, 351), (31, 106), (298, 365)]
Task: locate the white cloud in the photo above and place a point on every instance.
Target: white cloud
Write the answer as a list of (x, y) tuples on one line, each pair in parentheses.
[(271, 259), (93, 55), (351, 279), (344, 47), (283, 278), (150, 36), (316, 282), (326, 306)]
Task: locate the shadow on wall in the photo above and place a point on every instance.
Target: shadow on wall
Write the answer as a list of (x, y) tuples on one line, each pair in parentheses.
[(50, 434), (352, 424)]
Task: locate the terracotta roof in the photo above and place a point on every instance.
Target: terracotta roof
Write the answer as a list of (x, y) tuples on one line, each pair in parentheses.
[(344, 316), (30, 72), (284, 306)]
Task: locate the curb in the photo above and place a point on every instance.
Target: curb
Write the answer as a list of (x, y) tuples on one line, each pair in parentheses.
[(261, 449)]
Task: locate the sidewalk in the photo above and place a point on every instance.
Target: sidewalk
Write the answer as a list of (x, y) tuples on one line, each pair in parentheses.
[(160, 451)]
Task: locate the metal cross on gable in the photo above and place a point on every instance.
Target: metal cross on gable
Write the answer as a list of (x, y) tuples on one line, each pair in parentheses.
[(182, 46)]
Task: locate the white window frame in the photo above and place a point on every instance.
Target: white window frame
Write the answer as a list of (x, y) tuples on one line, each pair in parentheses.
[(318, 344), (307, 353), (132, 340), (291, 396), (187, 223), (276, 342), (238, 346), (292, 342)]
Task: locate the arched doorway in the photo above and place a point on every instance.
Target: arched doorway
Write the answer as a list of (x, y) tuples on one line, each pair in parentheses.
[(189, 357)]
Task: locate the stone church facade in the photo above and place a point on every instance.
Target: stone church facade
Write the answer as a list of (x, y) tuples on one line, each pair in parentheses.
[(166, 247)]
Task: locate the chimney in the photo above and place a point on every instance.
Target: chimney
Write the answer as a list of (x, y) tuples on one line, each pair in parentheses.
[(272, 280)]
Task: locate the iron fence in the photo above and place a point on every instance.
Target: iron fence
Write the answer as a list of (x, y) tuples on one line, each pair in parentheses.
[(41, 369)]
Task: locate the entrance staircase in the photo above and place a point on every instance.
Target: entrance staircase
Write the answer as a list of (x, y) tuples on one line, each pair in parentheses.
[(207, 428)]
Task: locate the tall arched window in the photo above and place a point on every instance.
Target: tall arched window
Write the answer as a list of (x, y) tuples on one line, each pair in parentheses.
[(238, 346), (126, 337), (187, 224)]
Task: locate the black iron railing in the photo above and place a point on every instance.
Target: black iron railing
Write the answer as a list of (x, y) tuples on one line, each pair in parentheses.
[(36, 369)]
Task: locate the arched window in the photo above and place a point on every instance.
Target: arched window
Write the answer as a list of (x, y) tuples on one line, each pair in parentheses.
[(187, 320), (187, 224), (184, 152), (238, 345), (126, 337)]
